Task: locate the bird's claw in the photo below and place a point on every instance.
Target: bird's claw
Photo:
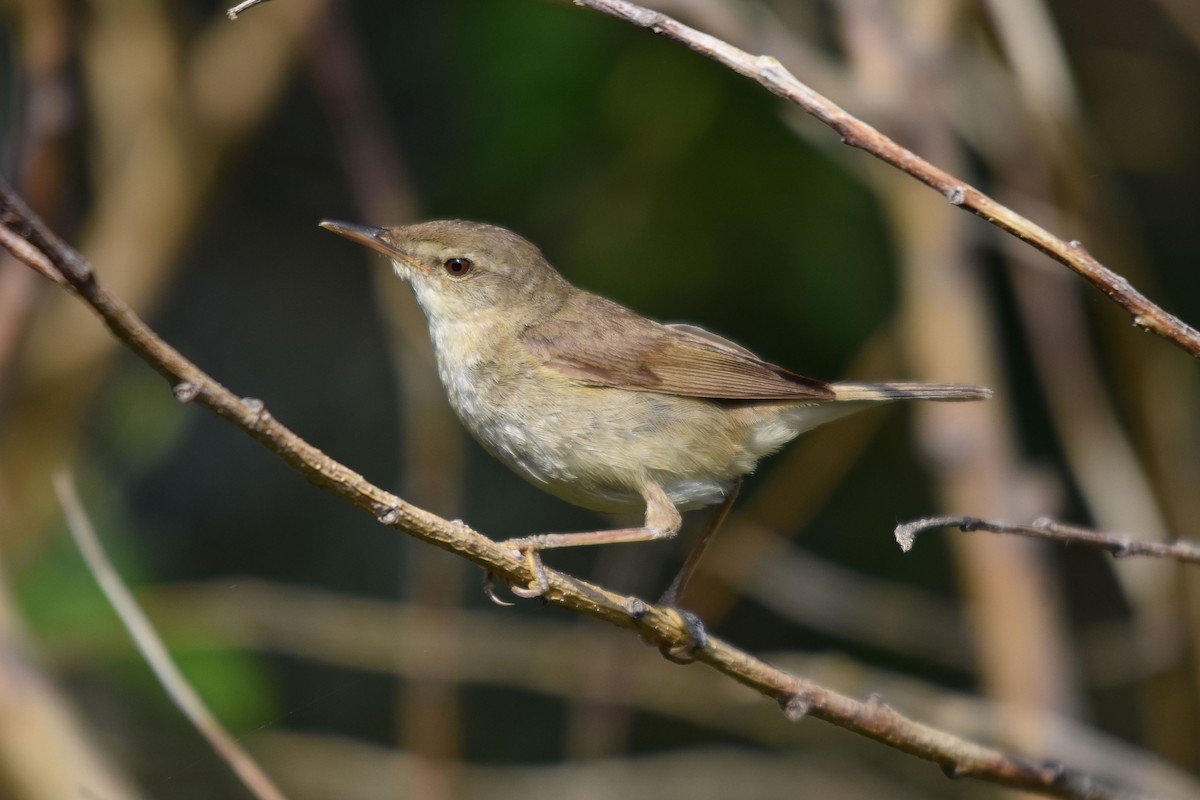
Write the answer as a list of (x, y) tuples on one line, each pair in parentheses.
[(489, 589), (540, 584)]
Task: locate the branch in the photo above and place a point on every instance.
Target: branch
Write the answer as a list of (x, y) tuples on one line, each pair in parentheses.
[(242, 8), (29, 240), (152, 648), (771, 74), (1118, 545)]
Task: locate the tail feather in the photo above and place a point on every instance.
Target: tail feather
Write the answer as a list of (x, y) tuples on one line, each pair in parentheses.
[(801, 416), (910, 391)]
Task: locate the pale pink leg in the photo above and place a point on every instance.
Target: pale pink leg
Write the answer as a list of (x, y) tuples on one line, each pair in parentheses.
[(662, 522)]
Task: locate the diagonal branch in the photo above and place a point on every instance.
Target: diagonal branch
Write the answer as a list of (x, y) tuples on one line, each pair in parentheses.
[(30, 241), (767, 71), (1119, 546)]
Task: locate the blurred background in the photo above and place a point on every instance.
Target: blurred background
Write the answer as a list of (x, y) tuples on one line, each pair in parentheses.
[(190, 158)]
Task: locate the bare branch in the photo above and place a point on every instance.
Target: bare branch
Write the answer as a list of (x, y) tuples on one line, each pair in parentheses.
[(663, 627), (767, 71), (152, 648), (1118, 545)]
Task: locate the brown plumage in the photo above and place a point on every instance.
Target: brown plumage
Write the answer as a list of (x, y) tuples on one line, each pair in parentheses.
[(594, 402)]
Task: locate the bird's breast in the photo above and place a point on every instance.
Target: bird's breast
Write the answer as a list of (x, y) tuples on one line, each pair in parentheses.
[(596, 446)]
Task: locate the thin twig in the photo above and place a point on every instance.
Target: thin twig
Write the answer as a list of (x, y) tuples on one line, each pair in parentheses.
[(152, 648), (767, 71), (661, 626), (242, 8), (1118, 545)]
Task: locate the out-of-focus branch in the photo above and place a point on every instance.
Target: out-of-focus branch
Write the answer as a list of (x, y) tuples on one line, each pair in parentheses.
[(165, 112), (316, 765), (546, 655), (1119, 546), (152, 648), (664, 627), (903, 58), (431, 440), (856, 133), (1186, 15)]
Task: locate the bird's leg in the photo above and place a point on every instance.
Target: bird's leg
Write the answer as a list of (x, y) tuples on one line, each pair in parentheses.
[(662, 522), (674, 593)]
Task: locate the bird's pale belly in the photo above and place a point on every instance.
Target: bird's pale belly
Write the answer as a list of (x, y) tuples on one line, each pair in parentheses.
[(597, 447)]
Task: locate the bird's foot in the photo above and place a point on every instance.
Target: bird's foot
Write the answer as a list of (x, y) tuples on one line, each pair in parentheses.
[(539, 584), (696, 637)]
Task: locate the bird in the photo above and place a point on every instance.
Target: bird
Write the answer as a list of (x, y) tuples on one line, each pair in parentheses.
[(593, 402)]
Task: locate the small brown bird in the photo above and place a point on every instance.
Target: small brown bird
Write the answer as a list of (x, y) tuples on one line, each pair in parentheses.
[(595, 403)]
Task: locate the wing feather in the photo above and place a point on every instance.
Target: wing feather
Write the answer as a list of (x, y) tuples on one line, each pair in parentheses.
[(600, 343)]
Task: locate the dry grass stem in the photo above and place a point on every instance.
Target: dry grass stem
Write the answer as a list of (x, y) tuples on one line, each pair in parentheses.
[(152, 648)]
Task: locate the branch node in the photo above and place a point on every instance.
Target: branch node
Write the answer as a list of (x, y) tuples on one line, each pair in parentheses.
[(636, 608), (387, 515), (970, 524), (646, 18), (186, 391), (772, 71), (257, 408), (957, 195), (953, 770), (795, 707), (875, 702)]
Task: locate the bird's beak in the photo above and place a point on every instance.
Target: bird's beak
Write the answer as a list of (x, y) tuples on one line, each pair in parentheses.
[(379, 239)]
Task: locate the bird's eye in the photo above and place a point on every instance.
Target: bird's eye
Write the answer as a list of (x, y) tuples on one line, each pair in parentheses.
[(458, 266)]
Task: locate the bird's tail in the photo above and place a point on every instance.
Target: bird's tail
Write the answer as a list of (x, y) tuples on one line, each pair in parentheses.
[(776, 426), (882, 392)]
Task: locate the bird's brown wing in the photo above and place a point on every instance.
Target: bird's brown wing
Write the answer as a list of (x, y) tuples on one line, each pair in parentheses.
[(600, 343)]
